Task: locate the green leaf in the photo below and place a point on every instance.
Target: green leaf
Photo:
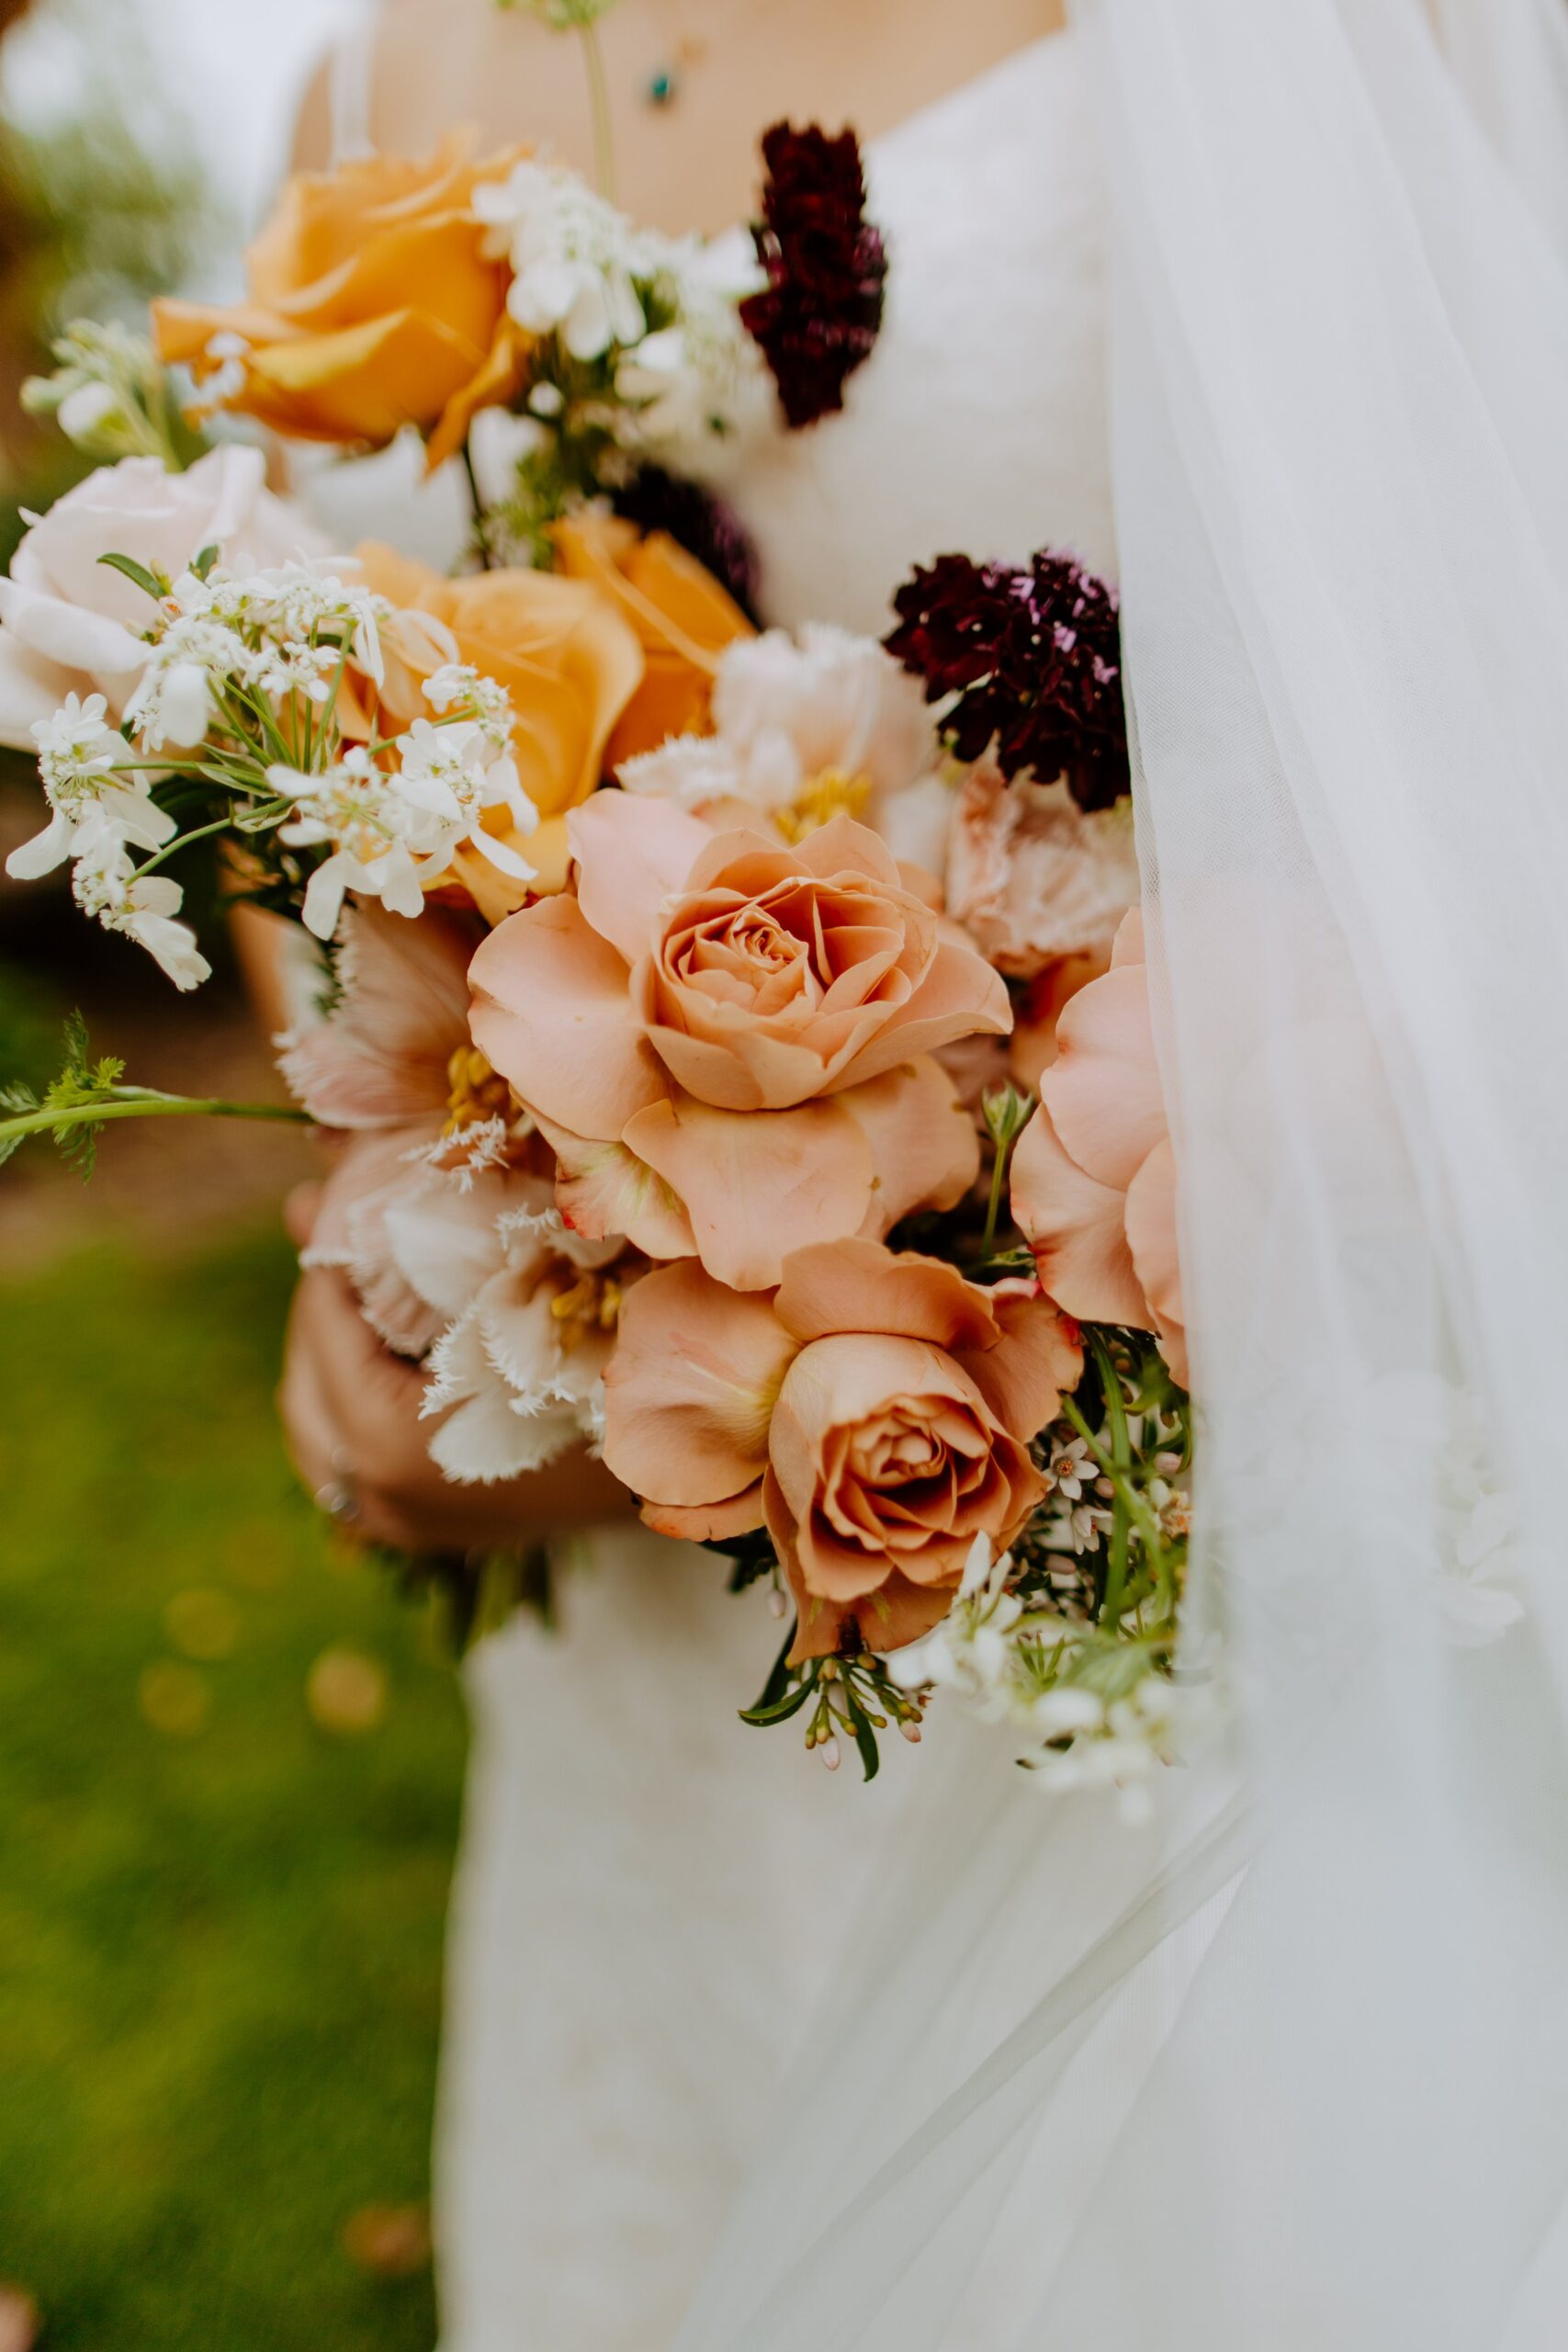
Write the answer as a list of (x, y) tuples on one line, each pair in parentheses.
[(204, 562), (865, 1737), (138, 572), (78, 1046), (782, 1709), (778, 1681)]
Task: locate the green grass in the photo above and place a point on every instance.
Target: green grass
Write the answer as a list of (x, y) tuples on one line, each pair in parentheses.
[(219, 1951)]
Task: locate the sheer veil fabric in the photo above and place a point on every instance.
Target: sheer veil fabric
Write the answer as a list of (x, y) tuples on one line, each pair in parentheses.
[(1288, 2066)]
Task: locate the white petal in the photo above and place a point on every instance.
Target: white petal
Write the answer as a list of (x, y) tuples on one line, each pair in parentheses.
[(44, 851)]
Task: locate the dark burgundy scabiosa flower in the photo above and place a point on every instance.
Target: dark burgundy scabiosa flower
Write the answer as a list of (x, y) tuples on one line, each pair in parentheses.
[(1030, 662), (817, 317), (697, 521)]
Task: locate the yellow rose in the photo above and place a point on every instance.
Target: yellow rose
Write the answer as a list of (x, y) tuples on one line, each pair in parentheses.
[(570, 664), (371, 306), (683, 618)]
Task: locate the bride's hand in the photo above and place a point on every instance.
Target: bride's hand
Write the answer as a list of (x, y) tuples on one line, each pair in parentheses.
[(351, 1413)]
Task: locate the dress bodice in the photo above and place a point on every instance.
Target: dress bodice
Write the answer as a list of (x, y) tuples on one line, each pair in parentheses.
[(978, 422)]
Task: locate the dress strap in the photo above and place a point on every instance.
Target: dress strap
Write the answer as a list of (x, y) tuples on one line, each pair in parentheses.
[(350, 67)]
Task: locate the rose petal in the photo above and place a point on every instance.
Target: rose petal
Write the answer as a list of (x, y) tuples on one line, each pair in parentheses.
[(689, 1391), (758, 1185), (841, 846), (1152, 1238), (602, 1189), (1024, 1377), (959, 996), (551, 1015), (1077, 1231), (924, 1146), (861, 1286), (631, 853), (707, 1522), (897, 1613), (1103, 1089)]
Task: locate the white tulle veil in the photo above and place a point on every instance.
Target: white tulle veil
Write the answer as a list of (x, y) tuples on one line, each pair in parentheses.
[(1286, 2070)]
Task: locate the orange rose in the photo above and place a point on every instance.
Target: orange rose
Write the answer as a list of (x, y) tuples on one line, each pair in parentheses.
[(683, 618), (371, 306), (875, 1413), (569, 661)]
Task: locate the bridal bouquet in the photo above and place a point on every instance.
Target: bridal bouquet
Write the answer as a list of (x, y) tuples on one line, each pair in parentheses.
[(737, 1046)]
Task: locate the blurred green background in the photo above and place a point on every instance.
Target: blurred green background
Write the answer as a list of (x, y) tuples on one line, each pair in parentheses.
[(229, 1756)]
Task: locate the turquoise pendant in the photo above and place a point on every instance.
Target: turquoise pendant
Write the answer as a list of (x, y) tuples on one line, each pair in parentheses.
[(661, 87)]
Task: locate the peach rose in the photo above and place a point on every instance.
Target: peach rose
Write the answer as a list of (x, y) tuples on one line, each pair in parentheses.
[(728, 1041), (570, 664), (1094, 1173), (683, 620), (875, 1413), (371, 305)]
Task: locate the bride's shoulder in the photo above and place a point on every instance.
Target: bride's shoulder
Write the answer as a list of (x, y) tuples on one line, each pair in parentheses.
[(425, 61)]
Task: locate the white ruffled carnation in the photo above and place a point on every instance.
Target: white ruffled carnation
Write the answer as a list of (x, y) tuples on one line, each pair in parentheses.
[(806, 729), (523, 1364)]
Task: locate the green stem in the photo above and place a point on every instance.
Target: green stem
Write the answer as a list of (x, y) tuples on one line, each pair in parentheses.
[(999, 1180), (143, 1103), (183, 840), (481, 531), (599, 104)]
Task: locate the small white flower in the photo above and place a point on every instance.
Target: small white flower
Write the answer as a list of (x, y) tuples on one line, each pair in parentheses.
[(78, 754), (105, 884), (381, 845), (573, 258), (456, 774), (458, 687), (195, 658), (1068, 1472)]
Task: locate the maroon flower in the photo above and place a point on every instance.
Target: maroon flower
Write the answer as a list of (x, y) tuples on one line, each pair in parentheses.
[(818, 315), (1032, 661)]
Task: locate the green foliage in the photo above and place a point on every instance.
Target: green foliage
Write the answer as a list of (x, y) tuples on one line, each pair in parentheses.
[(220, 1953), (849, 1696), (150, 584), (109, 393), (79, 1085), (108, 215)]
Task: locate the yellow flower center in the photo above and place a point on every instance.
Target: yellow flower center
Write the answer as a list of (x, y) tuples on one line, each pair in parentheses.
[(592, 1304), (833, 792), (475, 1092)]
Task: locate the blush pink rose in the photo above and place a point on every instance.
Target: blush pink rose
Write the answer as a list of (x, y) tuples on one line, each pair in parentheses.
[(875, 1413), (1094, 1173), (728, 1042), (70, 623)]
